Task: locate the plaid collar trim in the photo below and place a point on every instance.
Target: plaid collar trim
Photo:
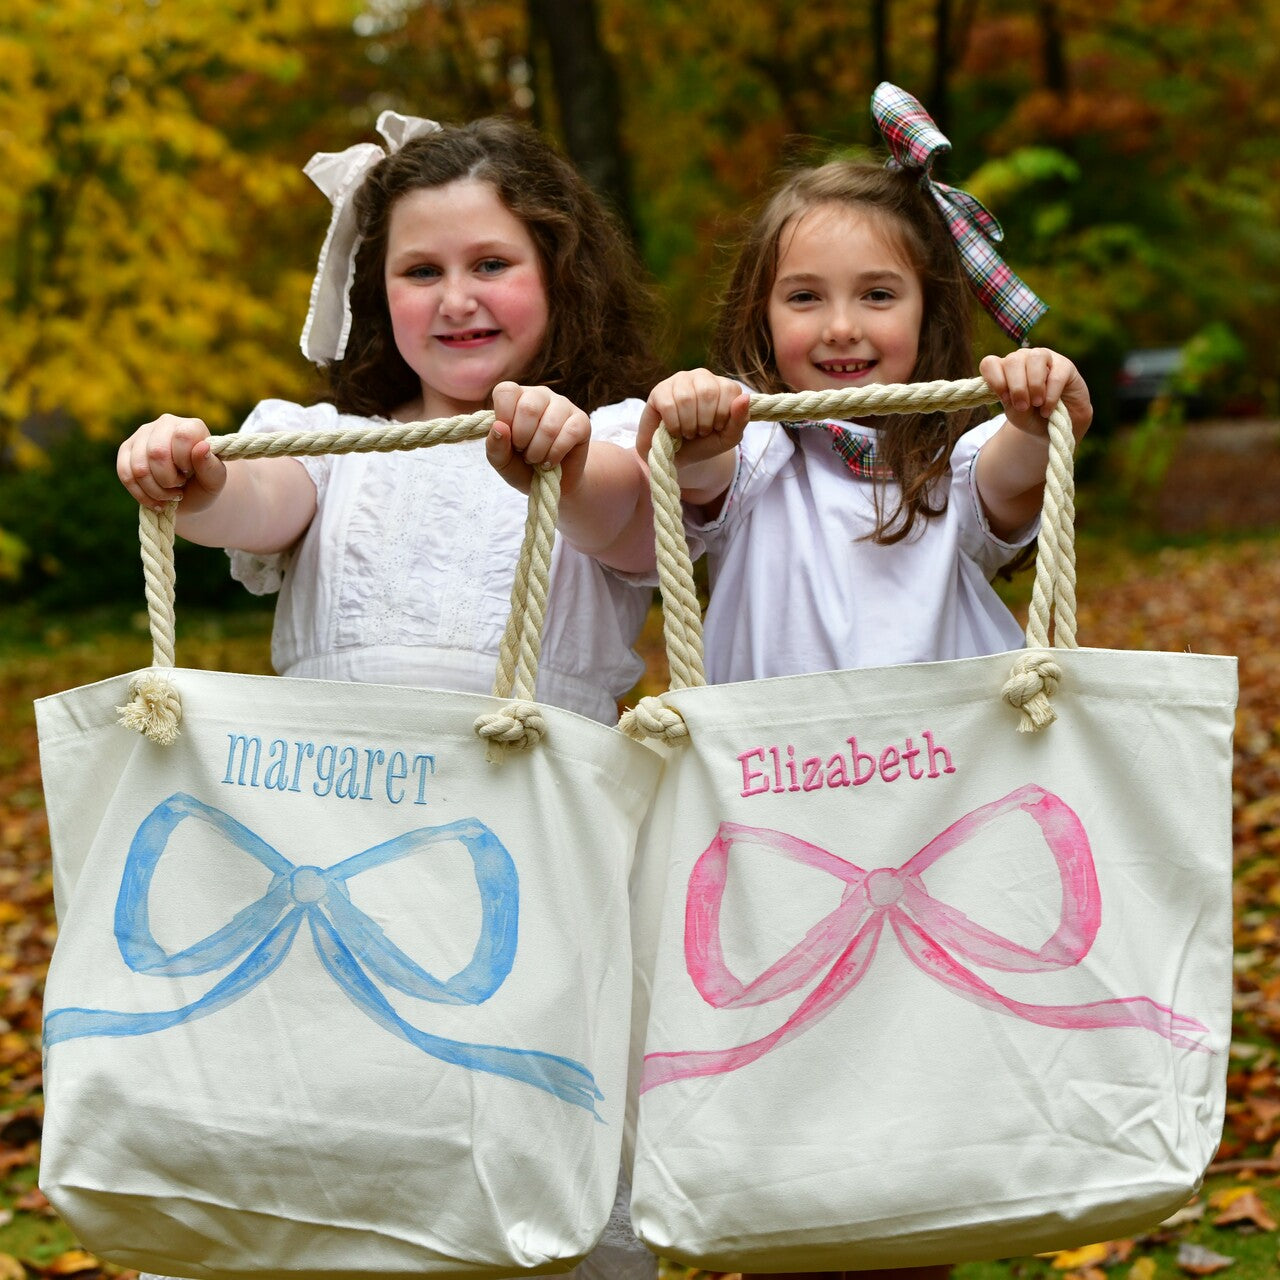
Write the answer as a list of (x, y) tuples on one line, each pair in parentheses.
[(915, 142), (858, 452)]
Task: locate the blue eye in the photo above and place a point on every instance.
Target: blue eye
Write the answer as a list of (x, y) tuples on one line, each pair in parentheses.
[(423, 272), (491, 266)]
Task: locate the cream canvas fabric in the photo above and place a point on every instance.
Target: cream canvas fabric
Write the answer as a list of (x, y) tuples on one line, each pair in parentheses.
[(926, 989), (921, 988), (334, 993)]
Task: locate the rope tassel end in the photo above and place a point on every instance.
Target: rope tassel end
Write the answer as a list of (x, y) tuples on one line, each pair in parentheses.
[(154, 708)]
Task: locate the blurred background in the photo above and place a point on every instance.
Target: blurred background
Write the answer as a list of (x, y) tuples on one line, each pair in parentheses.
[(157, 236), (157, 242)]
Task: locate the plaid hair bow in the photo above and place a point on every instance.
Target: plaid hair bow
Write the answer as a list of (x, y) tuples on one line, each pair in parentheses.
[(914, 141)]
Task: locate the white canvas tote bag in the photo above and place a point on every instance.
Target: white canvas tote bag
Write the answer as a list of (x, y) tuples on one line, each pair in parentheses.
[(334, 994), (925, 988)]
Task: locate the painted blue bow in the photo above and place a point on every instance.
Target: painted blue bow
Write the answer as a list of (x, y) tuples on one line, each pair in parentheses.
[(350, 944)]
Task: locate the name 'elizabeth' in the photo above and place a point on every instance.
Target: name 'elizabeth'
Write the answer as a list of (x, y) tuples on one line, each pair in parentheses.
[(777, 769)]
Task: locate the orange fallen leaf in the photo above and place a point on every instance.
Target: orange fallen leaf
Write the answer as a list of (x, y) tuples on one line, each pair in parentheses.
[(1119, 1251), (72, 1263), (16, 1159), (1074, 1259), (1225, 1196), (1247, 1208), (1266, 1111), (33, 1201)]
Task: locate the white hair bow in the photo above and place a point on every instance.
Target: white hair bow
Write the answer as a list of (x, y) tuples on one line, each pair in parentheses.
[(338, 174)]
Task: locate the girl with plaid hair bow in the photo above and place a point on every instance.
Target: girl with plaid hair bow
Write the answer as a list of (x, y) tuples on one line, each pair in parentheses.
[(837, 544), (875, 542)]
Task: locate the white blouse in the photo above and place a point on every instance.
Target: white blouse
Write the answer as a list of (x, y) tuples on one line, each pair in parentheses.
[(404, 575), (795, 588)]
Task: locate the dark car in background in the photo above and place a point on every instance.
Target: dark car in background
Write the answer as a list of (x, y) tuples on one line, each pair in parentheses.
[(1144, 375)]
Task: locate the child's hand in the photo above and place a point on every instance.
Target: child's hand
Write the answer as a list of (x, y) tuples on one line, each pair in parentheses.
[(171, 458), (1011, 465), (708, 412), (536, 429), (1030, 381)]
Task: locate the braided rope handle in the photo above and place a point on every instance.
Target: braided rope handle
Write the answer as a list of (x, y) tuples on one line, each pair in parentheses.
[(1035, 676), (154, 707), (520, 724)]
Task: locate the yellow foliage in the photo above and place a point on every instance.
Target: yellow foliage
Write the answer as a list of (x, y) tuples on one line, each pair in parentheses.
[(1224, 1197), (130, 220), (12, 554), (1071, 1259), (156, 234)]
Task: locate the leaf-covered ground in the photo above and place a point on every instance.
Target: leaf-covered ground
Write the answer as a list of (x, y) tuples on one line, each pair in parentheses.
[(1222, 597)]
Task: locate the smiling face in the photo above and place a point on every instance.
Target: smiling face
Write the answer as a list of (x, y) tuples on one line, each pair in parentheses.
[(466, 294), (846, 305)]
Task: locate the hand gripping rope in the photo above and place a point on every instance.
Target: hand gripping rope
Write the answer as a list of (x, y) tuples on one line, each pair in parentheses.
[(155, 708), (1035, 676)]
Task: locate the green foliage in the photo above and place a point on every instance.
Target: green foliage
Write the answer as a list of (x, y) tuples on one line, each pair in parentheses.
[(129, 218), (1143, 455), (1005, 178), (12, 553), (79, 529), (1208, 358), (157, 236)]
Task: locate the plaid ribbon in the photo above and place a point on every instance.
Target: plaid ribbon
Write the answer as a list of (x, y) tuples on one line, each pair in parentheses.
[(914, 142), (858, 452)]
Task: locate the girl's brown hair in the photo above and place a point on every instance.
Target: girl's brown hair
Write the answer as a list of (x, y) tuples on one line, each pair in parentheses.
[(598, 347), (915, 447)]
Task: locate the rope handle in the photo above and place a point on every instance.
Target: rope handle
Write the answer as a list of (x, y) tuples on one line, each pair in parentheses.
[(1035, 675), (155, 709)]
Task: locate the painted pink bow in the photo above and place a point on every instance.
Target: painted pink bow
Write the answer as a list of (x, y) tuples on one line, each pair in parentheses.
[(932, 934)]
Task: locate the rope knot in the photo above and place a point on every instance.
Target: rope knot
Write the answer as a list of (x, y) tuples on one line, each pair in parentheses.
[(1033, 682), (652, 718), (154, 708), (518, 726)]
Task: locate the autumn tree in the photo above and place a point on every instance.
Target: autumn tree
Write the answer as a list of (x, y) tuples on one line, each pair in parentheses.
[(586, 91), (1167, 233), (157, 236), (126, 215)]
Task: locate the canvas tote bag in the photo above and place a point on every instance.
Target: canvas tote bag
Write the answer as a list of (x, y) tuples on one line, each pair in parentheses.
[(335, 994), (925, 988)]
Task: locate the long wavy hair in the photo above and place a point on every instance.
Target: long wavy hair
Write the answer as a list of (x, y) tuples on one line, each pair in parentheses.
[(599, 343), (914, 447)]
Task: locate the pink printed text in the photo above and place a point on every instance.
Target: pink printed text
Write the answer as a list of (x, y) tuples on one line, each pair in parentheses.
[(775, 769)]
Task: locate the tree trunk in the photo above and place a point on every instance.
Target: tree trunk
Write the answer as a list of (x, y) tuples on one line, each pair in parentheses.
[(879, 41), (963, 29), (939, 108), (1053, 49), (586, 92)]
